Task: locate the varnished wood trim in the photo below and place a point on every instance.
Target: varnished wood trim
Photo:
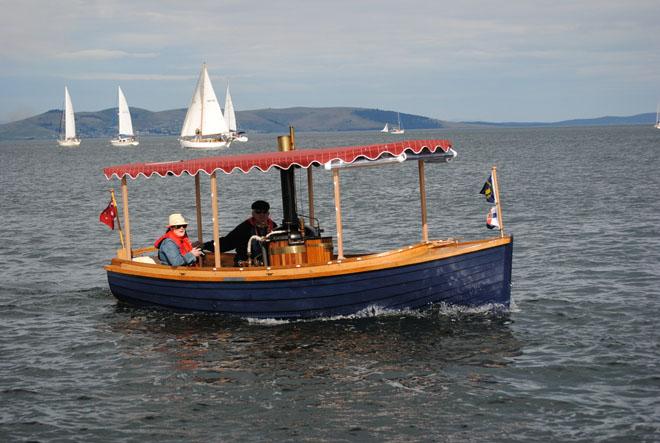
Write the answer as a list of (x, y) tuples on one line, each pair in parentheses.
[(145, 250), (127, 220), (414, 254), (422, 199), (340, 230), (216, 223)]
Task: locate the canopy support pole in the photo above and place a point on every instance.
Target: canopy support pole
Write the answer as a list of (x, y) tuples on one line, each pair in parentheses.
[(422, 198), (216, 225), (310, 195), (127, 222), (497, 201), (340, 235), (198, 207), (114, 202)]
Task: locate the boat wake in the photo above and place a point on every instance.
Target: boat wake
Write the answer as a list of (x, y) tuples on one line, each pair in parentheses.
[(438, 310)]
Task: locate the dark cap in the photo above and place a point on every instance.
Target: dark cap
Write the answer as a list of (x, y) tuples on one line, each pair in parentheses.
[(261, 205)]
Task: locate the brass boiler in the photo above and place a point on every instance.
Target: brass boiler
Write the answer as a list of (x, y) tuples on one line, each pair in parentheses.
[(311, 251)]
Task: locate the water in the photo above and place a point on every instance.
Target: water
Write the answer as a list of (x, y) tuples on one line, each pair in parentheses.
[(576, 359)]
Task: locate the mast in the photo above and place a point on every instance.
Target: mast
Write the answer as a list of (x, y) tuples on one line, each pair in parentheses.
[(201, 95)]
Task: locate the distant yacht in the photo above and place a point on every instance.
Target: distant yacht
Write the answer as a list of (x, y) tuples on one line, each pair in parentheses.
[(398, 129), (657, 117), (204, 126), (394, 130), (230, 117), (68, 124), (125, 136)]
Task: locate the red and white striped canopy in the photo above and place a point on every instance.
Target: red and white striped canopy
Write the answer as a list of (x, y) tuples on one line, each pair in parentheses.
[(303, 158)]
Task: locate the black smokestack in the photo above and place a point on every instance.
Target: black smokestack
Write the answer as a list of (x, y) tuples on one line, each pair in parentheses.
[(288, 183)]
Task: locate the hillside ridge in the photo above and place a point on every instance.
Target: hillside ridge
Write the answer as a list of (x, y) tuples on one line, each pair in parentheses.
[(271, 120)]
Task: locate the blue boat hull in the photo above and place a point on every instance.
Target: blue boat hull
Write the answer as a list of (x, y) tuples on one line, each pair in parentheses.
[(472, 280)]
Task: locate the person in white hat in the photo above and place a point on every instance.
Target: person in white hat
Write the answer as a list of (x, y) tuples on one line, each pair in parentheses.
[(174, 247)]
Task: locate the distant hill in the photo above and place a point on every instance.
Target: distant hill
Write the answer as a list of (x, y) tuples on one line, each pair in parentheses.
[(104, 123), (639, 119)]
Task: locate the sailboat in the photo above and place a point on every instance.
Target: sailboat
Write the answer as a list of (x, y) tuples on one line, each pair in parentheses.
[(394, 130), (398, 129), (68, 123), (657, 117), (125, 136), (204, 126), (230, 117)]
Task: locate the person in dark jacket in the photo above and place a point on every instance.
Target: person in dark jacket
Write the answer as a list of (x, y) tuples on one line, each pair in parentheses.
[(258, 224)]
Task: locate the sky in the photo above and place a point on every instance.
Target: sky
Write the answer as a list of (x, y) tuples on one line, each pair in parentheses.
[(462, 60)]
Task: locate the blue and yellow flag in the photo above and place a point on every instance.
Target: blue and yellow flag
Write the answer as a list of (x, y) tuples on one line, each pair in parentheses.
[(488, 190)]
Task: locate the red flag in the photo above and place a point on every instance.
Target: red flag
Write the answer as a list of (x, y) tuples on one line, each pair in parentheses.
[(108, 215)]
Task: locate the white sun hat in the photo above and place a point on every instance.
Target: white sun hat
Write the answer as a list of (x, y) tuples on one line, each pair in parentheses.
[(176, 220)]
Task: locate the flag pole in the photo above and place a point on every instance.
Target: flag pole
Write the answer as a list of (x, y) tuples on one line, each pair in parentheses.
[(114, 203), (497, 200)]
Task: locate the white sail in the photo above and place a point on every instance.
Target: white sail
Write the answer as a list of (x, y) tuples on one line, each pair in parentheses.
[(213, 122), (125, 135), (68, 124), (192, 122), (69, 118), (386, 128), (125, 123), (230, 114), (204, 116)]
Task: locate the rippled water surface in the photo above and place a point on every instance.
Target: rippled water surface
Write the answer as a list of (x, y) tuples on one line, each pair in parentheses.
[(575, 360)]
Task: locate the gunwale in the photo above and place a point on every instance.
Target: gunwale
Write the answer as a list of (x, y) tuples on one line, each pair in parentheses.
[(409, 255)]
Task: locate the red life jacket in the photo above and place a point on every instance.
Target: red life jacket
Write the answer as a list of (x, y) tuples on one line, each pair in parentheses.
[(253, 223), (182, 242)]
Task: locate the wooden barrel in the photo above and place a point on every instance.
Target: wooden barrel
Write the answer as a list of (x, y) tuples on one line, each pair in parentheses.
[(319, 250), (281, 253)]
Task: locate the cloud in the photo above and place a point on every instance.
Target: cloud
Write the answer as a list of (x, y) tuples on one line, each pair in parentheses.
[(129, 77), (386, 52), (103, 54)]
